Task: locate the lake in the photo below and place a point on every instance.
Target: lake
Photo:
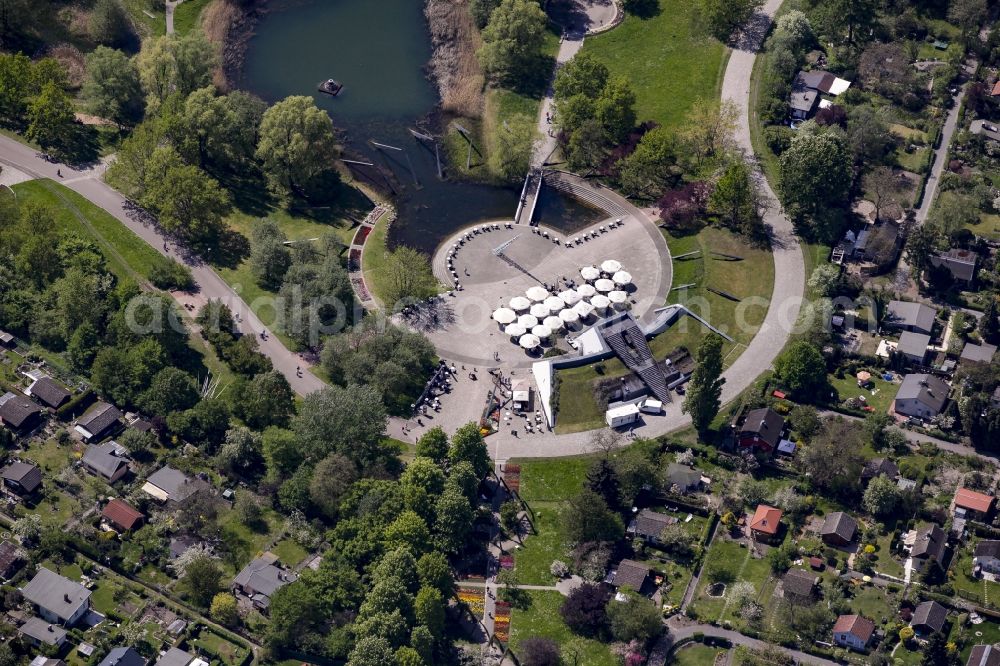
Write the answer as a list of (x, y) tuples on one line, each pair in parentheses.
[(378, 50)]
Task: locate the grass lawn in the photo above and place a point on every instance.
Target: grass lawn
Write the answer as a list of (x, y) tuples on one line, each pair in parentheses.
[(733, 558), (289, 552), (667, 64), (552, 479), (128, 255), (986, 633), (874, 603), (978, 590), (245, 542), (988, 227), (909, 133), (147, 26), (695, 655), (187, 15), (227, 652), (751, 280), (535, 557), (886, 563), (918, 161), (879, 397), (376, 260), (542, 619)]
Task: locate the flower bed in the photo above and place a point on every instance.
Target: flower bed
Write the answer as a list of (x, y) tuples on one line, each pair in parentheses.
[(507, 561), (512, 477), (362, 235), (362, 290), (474, 599), (501, 621), (354, 262)]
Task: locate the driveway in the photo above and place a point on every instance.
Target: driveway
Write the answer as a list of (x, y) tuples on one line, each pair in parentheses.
[(680, 628), (940, 157)]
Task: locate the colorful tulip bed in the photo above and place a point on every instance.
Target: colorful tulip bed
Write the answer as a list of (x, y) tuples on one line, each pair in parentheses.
[(501, 621), (512, 477), (474, 599)]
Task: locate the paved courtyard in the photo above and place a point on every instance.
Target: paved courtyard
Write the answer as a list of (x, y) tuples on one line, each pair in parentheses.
[(460, 325)]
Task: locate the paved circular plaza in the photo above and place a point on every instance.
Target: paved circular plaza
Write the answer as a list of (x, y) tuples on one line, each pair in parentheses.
[(459, 324)]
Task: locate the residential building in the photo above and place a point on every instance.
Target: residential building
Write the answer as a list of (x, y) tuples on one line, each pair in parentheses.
[(121, 516), (799, 586), (821, 81), (21, 478), (7, 340), (123, 656), (758, 429), (106, 461), (908, 316), (986, 557), (929, 545), (972, 505), (984, 655), (11, 559), (853, 632), (765, 525), (42, 660), (838, 529), (648, 525), (49, 392), (973, 353), (686, 479), (878, 467), (174, 657), (99, 421), (262, 578), (913, 346), (171, 485), (960, 263), (181, 543), (19, 413), (57, 599), (630, 574), (802, 103), (921, 396), (40, 633), (928, 618)]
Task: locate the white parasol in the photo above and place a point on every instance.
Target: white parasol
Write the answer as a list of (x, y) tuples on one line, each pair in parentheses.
[(537, 294), (542, 331), (527, 320), (553, 322), (519, 304), (601, 302), (554, 303), (585, 290), (570, 297), (584, 309), (622, 277), (515, 330), (504, 316), (590, 273), (569, 316), (617, 296), (604, 285), (611, 266), (529, 341), (539, 310)]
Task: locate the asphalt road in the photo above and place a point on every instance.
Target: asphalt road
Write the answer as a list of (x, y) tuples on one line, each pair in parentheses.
[(88, 184), (681, 628)]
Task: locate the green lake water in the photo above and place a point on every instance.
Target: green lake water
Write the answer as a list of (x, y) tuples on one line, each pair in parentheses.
[(378, 50)]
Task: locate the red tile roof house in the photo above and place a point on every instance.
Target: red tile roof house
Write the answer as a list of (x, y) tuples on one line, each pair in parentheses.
[(972, 505), (765, 525), (121, 516), (854, 632)]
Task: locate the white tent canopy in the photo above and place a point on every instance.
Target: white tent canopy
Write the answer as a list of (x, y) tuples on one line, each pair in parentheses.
[(529, 341), (527, 320), (590, 273), (539, 310), (504, 316), (570, 297), (554, 303), (553, 322), (537, 293), (622, 277), (584, 309), (519, 304), (604, 285), (515, 330), (569, 315), (585, 290), (611, 266), (601, 302), (617, 296), (542, 331)]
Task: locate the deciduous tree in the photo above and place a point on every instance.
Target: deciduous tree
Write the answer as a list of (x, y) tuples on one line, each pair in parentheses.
[(704, 391), (111, 88), (512, 41), (296, 145)]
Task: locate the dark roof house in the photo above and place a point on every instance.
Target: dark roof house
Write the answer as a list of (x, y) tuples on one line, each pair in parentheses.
[(930, 544), (630, 573), (685, 478), (261, 578), (19, 413), (761, 428), (929, 617), (174, 657), (42, 632), (799, 585), (984, 655), (960, 263), (973, 353), (913, 346), (98, 421), (49, 392), (57, 598), (650, 524), (105, 461), (21, 477), (839, 528), (878, 467), (171, 485), (11, 559), (910, 316), (123, 656), (921, 395)]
